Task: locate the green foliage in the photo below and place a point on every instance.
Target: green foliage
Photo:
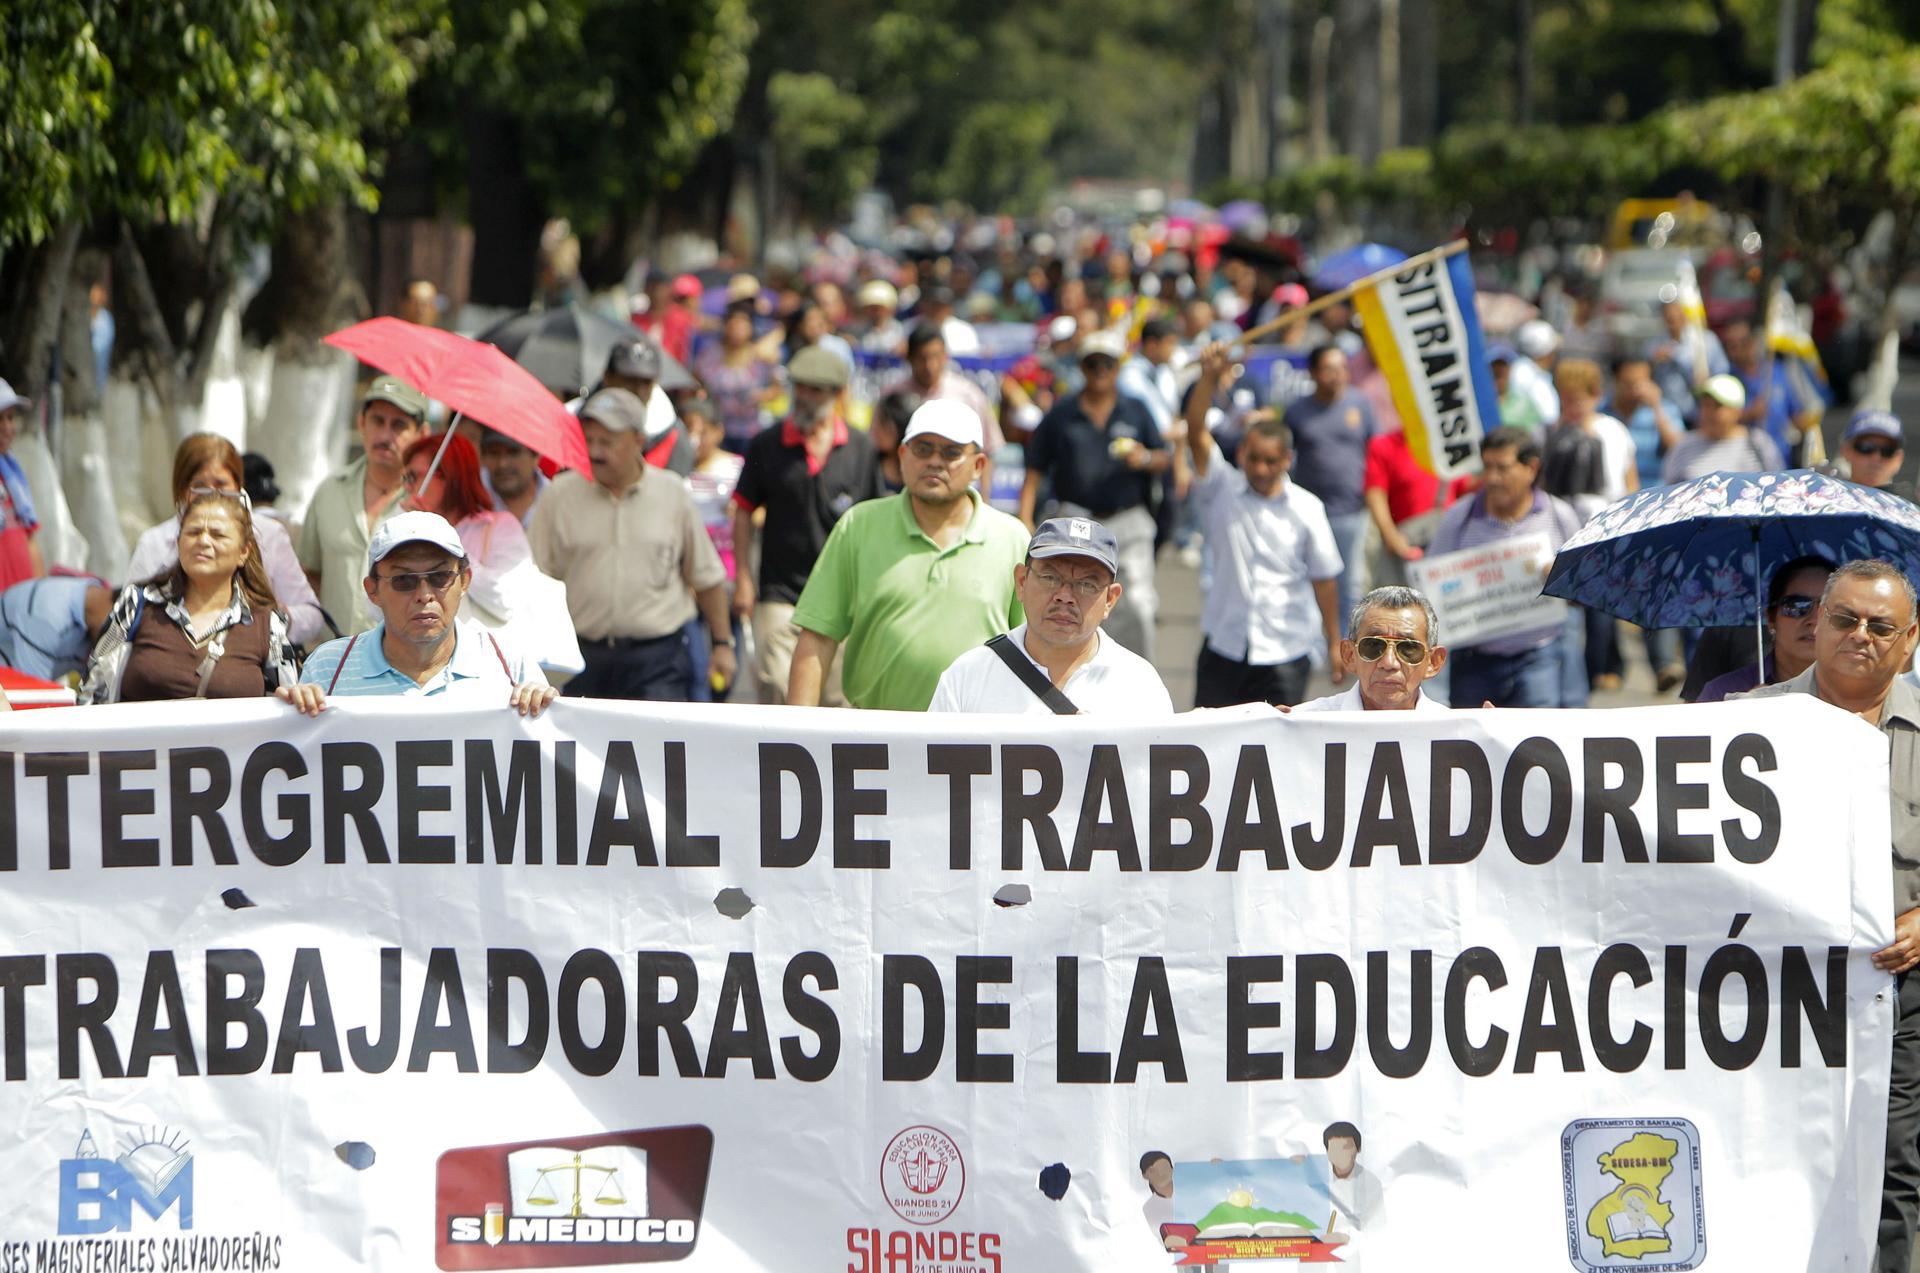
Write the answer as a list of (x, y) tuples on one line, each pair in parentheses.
[(156, 109), (822, 136), (612, 99), (57, 84), (1506, 175), (1000, 155)]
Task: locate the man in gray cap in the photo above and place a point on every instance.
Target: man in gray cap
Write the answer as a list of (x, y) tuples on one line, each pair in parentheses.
[(797, 480), (1873, 448), (1057, 662), (635, 557), (349, 506), (635, 365)]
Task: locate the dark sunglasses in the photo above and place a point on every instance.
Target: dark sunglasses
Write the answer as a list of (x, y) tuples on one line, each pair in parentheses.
[(1372, 648), (1795, 605), (438, 580), (1883, 449), (1877, 629)]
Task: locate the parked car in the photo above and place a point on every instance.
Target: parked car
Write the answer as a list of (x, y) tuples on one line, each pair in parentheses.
[(1634, 285)]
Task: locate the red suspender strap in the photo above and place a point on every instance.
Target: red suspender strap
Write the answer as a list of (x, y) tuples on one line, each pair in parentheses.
[(498, 653), (338, 667)]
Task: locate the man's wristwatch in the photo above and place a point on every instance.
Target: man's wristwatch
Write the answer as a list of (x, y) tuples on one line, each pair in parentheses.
[(723, 643)]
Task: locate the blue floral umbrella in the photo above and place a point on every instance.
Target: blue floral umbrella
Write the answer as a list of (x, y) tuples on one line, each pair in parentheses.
[(1698, 554)]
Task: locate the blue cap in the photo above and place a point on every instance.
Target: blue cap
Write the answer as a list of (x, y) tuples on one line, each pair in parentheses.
[(1076, 537), (1883, 424), (1501, 353)]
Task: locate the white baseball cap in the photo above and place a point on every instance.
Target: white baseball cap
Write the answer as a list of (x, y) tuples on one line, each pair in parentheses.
[(954, 421), (413, 528), (9, 399), (1536, 338)]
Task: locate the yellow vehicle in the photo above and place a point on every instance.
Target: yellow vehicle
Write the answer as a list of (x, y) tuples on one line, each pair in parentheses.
[(1637, 223)]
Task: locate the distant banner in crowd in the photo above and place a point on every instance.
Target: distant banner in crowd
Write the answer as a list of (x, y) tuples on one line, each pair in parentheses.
[(1424, 333), (1490, 591), (767, 988)]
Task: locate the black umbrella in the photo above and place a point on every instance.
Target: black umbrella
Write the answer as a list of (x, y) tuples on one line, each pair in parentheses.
[(566, 349)]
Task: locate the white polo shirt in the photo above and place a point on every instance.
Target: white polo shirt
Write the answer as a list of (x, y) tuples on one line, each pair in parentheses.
[(1348, 700), (1267, 554), (1115, 681)]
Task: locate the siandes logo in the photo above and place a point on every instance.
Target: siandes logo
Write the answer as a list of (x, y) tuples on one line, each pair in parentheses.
[(923, 1175)]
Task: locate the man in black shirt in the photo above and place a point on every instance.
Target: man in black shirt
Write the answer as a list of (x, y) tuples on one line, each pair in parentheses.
[(1102, 452), (800, 478)]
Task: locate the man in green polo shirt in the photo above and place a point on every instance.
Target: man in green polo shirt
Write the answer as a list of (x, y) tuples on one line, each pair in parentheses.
[(910, 582), (350, 504)]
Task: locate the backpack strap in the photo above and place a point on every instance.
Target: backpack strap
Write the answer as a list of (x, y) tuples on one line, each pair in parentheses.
[(1030, 676), (341, 665)]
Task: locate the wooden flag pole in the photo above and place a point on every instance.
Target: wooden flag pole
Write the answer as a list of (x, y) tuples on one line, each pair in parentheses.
[(1319, 303)]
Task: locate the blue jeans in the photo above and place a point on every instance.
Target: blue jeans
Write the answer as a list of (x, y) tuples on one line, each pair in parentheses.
[(1350, 534), (1530, 678)]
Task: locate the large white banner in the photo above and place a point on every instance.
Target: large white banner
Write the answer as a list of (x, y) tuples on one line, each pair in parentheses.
[(781, 989)]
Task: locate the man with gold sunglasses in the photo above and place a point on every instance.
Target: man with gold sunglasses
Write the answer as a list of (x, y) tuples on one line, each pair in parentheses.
[(1867, 632), (1393, 646)]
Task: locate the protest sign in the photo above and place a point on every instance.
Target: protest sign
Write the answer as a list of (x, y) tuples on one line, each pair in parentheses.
[(765, 988), (1489, 591), (1424, 334)]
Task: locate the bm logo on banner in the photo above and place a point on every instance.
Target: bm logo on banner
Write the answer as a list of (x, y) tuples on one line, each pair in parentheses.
[(98, 1195)]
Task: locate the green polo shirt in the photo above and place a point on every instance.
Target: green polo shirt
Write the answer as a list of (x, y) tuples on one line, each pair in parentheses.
[(902, 607), (333, 542)]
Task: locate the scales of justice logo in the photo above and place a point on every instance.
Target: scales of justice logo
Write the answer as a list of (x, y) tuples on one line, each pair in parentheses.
[(607, 1182)]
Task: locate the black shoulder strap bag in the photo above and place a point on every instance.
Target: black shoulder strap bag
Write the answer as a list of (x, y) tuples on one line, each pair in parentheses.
[(1031, 677)]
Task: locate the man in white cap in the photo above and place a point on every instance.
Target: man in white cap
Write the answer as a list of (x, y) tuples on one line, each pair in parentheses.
[(1530, 401), (348, 506), (635, 556), (1057, 661), (1873, 448), (909, 583), (1722, 442), (1102, 453), (20, 557), (879, 330), (417, 575)]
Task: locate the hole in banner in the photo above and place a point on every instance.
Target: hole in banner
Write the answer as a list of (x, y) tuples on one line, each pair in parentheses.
[(236, 900), (357, 1154), (732, 902), (1054, 1181), (1010, 895)]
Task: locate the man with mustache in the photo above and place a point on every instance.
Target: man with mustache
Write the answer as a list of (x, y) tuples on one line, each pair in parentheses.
[(1058, 661), (799, 479), (350, 505)]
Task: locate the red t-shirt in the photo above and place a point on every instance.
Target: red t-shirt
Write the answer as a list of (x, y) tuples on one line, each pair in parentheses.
[(1411, 490), (16, 564)]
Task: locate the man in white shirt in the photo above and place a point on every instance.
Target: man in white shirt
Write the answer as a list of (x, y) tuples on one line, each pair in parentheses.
[(1276, 567), (1057, 662), (1393, 646)]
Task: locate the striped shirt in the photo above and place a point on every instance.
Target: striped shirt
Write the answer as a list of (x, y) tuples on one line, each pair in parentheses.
[(1696, 455), (483, 664)]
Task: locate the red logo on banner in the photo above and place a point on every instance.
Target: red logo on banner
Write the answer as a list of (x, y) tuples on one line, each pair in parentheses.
[(1213, 1251), (923, 1175), (632, 1197)]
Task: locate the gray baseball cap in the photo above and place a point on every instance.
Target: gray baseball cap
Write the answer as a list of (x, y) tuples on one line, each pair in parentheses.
[(617, 409), (635, 358), (392, 389), (1075, 537)]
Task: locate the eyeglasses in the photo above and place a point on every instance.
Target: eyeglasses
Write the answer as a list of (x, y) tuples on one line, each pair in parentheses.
[(1877, 629), (1884, 449), (952, 453), (438, 580), (216, 492), (1083, 589), (1098, 362), (1409, 651), (1795, 605)]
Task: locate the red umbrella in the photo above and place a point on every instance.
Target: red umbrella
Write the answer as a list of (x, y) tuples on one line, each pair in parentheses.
[(476, 380)]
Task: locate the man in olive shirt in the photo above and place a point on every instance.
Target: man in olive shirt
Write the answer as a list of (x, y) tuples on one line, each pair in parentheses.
[(1868, 629), (635, 557), (911, 582), (349, 505)]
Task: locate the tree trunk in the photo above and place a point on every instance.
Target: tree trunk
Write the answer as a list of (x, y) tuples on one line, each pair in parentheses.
[(505, 211), (33, 303)]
